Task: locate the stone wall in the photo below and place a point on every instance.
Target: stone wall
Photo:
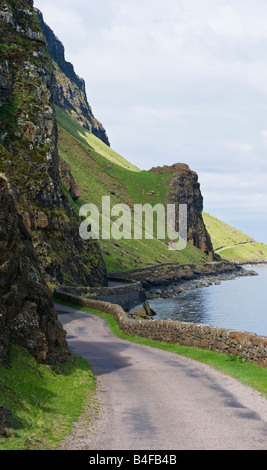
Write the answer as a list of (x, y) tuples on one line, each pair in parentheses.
[(247, 345), (127, 296)]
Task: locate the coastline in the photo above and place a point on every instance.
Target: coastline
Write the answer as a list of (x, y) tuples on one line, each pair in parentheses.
[(133, 289), (174, 289), (168, 280), (250, 346)]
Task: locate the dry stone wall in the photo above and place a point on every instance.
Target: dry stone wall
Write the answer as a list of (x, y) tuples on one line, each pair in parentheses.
[(127, 296), (247, 345)]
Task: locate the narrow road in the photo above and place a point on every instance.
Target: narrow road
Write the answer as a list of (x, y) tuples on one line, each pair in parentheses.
[(234, 246), (153, 399)]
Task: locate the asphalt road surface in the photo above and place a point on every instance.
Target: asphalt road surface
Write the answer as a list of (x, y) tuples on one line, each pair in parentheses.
[(155, 400)]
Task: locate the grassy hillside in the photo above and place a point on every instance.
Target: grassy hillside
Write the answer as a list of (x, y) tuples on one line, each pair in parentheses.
[(248, 253), (232, 244), (223, 234), (99, 171)]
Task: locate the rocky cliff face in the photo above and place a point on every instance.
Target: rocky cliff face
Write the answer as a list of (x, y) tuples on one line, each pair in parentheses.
[(27, 315), (69, 89), (28, 151), (185, 189)]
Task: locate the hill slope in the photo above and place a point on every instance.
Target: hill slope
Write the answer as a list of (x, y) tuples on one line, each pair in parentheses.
[(232, 244), (224, 235), (69, 89), (99, 171)]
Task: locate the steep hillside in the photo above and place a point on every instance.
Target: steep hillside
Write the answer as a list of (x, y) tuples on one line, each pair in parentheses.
[(224, 235), (233, 245), (99, 171), (90, 169), (69, 89), (28, 151)]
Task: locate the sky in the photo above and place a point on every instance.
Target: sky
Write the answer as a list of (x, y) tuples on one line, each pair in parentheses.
[(179, 81)]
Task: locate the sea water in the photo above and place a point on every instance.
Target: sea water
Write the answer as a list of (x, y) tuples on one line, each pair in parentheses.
[(239, 304)]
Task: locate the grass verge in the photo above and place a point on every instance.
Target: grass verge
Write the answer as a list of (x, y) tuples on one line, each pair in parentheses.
[(248, 373), (42, 403)]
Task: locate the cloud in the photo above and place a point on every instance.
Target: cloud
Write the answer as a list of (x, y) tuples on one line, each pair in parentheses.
[(237, 199), (178, 81), (242, 147)]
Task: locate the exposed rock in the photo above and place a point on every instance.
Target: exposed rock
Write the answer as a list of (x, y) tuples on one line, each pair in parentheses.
[(68, 180), (4, 422), (185, 189), (29, 156), (69, 89), (27, 315), (104, 250), (42, 221), (5, 83), (166, 275)]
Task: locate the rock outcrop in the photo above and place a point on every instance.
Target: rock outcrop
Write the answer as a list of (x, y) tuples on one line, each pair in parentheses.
[(185, 189), (28, 151), (69, 89), (27, 315), (68, 180)]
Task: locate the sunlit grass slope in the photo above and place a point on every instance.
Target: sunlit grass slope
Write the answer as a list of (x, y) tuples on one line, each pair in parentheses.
[(99, 171), (90, 141), (234, 245), (222, 234), (249, 253)]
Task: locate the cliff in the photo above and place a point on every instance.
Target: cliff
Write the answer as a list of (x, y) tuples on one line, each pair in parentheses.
[(184, 188), (28, 152), (69, 89), (27, 315)]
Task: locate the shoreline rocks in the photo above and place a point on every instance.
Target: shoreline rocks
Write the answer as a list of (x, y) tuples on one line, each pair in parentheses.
[(169, 279), (174, 289)]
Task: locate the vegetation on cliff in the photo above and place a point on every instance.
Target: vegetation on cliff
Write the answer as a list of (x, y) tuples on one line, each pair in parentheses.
[(27, 315), (28, 151), (99, 171), (69, 89)]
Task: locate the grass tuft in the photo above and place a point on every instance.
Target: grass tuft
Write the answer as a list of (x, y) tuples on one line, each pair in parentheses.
[(43, 402)]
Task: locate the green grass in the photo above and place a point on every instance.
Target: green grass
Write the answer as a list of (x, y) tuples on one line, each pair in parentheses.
[(44, 402), (222, 234), (248, 373), (90, 141), (250, 253), (99, 171)]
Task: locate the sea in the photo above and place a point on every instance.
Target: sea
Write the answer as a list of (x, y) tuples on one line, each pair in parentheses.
[(238, 304)]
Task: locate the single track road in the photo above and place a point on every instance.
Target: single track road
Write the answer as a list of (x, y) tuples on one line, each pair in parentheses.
[(154, 399)]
